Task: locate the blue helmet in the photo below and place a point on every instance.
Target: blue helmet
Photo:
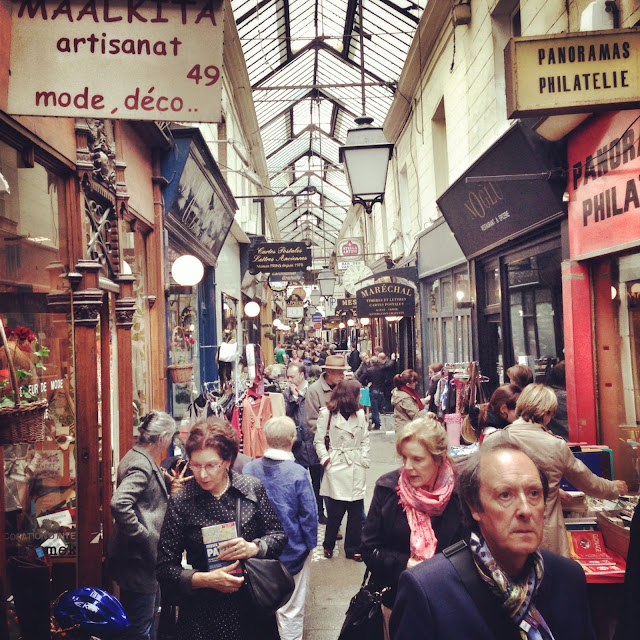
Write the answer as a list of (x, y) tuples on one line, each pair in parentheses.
[(92, 609)]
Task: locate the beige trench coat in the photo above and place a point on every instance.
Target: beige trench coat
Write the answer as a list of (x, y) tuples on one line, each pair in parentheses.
[(552, 454), (344, 476)]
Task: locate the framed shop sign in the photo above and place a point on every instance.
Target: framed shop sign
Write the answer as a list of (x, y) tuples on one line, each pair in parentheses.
[(117, 59), (279, 257), (572, 72), (388, 299)]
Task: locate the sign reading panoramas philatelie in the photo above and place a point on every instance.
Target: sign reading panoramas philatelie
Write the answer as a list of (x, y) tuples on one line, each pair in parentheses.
[(572, 72), (279, 257), (386, 299), (135, 59)]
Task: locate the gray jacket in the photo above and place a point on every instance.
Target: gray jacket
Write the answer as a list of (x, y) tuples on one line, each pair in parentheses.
[(303, 449), (317, 395), (138, 507)]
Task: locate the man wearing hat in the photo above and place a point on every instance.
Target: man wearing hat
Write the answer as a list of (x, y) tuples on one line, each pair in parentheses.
[(318, 393)]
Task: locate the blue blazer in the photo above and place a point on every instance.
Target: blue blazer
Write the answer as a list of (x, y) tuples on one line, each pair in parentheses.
[(433, 604)]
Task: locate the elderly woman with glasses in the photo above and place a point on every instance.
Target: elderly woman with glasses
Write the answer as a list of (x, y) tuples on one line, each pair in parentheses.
[(212, 603)]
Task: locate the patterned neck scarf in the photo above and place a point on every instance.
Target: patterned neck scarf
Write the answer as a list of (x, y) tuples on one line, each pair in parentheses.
[(516, 598), (420, 505)]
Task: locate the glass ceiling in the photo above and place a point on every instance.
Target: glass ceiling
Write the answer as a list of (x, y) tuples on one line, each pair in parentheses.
[(303, 58)]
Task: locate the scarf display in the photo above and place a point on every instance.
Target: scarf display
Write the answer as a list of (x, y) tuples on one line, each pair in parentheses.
[(421, 505), (516, 598), (414, 395)]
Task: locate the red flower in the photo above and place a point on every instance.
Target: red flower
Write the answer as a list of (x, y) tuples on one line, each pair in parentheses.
[(8, 331), (24, 333)]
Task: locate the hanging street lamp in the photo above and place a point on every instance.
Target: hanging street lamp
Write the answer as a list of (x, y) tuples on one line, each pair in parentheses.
[(365, 157), (326, 282)]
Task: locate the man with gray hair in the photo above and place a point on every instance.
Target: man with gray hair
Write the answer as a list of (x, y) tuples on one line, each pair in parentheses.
[(289, 489), (499, 585)]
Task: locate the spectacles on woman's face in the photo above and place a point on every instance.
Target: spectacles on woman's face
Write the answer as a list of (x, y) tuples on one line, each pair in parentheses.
[(208, 467)]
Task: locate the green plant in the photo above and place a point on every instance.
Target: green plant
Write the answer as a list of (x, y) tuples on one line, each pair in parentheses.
[(26, 351), (269, 334)]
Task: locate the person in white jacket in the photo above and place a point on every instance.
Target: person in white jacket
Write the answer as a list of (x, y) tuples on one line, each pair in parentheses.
[(342, 445)]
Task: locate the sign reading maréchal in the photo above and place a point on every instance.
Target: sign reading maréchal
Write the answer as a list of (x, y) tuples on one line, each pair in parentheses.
[(572, 73), (380, 300), (280, 257)]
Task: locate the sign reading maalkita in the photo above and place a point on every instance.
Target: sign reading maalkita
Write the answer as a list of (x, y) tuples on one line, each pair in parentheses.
[(279, 257), (389, 299)]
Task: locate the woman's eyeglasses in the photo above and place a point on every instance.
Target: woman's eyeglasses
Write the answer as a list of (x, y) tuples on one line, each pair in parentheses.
[(209, 467)]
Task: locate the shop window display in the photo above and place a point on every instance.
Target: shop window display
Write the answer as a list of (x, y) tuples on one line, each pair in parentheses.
[(35, 304)]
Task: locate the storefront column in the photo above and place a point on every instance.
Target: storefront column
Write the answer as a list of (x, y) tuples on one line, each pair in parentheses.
[(578, 355), (125, 309), (87, 303)]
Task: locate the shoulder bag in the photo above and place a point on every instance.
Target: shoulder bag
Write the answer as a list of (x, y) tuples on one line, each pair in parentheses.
[(266, 581), (363, 620)]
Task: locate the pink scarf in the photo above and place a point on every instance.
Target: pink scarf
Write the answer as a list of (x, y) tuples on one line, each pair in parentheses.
[(421, 505)]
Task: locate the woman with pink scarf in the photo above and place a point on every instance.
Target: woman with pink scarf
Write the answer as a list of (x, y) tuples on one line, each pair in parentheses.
[(414, 512)]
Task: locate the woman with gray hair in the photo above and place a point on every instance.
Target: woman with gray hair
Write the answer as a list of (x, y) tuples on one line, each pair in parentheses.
[(138, 506), (535, 407)]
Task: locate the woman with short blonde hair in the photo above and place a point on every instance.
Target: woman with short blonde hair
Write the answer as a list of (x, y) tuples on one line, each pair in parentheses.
[(414, 513), (537, 403)]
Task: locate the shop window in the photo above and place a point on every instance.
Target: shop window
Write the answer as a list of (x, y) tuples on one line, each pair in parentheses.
[(35, 306), (492, 286), (133, 262), (534, 300)]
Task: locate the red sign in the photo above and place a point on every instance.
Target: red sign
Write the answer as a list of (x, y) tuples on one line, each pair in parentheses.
[(604, 185)]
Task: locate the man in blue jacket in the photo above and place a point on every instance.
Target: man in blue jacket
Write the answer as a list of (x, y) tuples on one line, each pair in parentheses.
[(289, 489), (500, 585)]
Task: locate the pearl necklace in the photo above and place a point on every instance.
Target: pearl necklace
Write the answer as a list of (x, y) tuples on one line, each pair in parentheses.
[(226, 486)]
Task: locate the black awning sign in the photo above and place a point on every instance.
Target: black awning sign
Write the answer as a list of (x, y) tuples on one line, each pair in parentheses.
[(389, 299), (279, 257)]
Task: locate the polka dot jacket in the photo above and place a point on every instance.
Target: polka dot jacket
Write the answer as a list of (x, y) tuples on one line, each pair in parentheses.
[(207, 613)]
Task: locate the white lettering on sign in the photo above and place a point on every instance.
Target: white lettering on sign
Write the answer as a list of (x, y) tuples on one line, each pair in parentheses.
[(131, 59)]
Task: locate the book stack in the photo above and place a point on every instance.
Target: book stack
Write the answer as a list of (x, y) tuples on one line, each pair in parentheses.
[(599, 563)]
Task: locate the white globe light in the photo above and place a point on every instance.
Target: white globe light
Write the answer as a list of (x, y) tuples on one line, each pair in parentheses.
[(251, 309), (351, 322), (187, 270), (342, 325), (364, 321)]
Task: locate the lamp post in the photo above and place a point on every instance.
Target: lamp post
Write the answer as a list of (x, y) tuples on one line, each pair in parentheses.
[(326, 282), (314, 297), (365, 157)]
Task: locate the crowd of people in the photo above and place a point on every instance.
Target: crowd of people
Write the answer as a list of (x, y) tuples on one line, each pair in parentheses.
[(475, 550)]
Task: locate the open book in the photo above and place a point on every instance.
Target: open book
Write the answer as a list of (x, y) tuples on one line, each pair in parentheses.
[(212, 536)]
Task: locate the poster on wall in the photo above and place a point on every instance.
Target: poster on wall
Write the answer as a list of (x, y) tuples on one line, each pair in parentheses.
[(388, 299), (116, 59)]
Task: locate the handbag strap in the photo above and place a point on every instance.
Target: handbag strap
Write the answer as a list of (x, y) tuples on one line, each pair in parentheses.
[(488, 607), (238, 521)]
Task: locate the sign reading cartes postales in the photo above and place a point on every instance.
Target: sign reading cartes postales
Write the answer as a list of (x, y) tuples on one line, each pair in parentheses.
[(388, 299), (279, 257), (121, 59)]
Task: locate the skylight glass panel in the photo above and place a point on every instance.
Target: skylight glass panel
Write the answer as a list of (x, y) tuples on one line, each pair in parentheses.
[(275, 134)]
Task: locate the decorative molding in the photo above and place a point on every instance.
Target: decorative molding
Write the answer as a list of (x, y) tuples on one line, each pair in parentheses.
[(86, 307), (125, 310)]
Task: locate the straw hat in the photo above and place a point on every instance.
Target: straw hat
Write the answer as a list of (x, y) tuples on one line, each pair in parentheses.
[(335, 362)]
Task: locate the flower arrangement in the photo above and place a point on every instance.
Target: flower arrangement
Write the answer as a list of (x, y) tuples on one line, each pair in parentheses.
[(181, 346), (27, 356)]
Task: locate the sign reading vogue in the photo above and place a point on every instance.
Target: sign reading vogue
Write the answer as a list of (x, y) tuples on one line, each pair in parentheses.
[(572, 73), (389, 299), (604, 187), (280, 257), (142, 60)]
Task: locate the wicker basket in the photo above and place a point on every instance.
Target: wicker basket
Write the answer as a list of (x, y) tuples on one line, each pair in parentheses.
[(180, 373), (22, 422)]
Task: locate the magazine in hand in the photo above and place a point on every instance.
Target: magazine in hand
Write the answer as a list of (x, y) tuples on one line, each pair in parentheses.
[(212, 536)]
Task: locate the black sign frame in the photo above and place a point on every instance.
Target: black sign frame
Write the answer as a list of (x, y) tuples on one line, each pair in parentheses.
[(279, 257), (386, 299)]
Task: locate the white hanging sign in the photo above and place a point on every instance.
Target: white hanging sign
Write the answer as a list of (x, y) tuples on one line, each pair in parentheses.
[(120, 59)]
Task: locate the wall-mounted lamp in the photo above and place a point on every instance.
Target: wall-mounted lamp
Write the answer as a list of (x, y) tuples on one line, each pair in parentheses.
[(4, 185), (314, 297), (252, 309), (461, 13), (364, 321), (342, 325), (187, 270), (351, 322)]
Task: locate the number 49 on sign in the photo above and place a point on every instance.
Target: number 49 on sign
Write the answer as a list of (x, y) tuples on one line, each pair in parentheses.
[(211, 73)]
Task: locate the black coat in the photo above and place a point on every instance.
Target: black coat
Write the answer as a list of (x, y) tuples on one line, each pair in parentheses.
[(386, 533), (303, 450), (353, 360)]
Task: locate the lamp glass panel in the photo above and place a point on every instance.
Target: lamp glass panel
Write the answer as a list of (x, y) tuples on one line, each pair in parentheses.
[(367, 170)]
